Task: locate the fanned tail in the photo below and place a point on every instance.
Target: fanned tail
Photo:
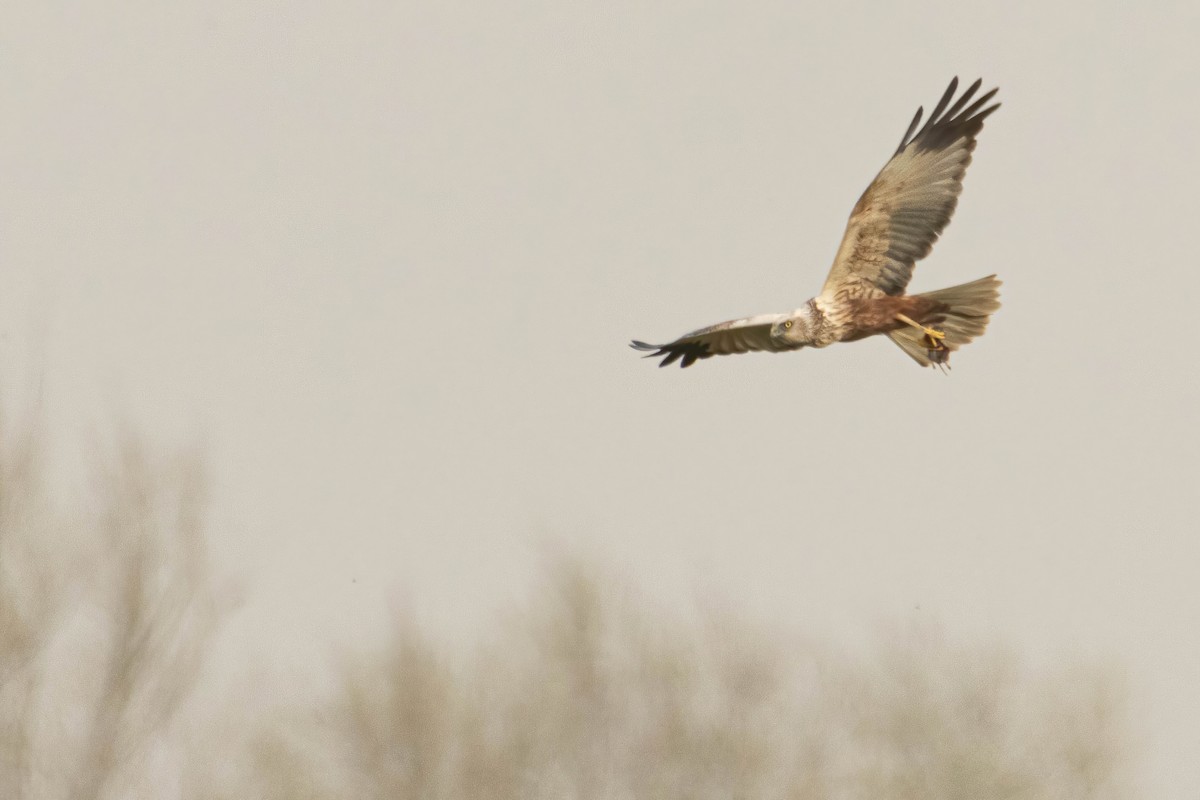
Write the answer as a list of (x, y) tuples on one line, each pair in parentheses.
[(962, 313)]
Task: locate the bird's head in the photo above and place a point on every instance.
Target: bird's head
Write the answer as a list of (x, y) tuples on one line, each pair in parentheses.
[(794, 330)]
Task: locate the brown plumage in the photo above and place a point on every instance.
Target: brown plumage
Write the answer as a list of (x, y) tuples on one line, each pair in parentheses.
[(893, 225)]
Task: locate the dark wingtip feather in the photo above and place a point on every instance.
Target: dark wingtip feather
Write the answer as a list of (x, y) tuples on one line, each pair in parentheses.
[(952, 113), (946, 98), (978, 104), (671, 358), (689, 352), (987, 112), (949, 122), (912, 126)]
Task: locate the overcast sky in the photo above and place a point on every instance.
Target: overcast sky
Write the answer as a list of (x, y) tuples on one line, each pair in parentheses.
[(384, 260)]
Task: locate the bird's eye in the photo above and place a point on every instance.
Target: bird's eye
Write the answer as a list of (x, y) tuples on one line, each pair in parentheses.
[(787, 325)]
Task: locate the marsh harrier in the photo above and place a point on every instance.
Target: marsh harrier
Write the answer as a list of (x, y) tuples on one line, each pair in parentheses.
[(893, 225)]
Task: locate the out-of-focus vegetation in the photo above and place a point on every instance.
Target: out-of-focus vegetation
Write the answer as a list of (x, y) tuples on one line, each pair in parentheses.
[(107, 608), (590, 695)]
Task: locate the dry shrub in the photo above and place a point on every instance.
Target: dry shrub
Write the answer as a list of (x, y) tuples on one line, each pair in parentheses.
[(106, 610), (591, 695)]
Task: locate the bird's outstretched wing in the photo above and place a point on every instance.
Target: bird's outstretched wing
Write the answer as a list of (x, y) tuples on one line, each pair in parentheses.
[(904, 210), (724, 338)]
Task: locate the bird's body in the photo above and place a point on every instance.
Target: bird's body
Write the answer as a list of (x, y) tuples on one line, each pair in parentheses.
[(893, 225)]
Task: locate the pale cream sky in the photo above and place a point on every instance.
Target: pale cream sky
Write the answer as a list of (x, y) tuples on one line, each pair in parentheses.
[(385, 259)]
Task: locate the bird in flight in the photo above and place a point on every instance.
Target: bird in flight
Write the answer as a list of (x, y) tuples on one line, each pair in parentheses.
[(893, 225)]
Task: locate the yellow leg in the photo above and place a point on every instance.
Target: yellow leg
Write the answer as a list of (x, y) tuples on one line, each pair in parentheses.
[(933, 335)]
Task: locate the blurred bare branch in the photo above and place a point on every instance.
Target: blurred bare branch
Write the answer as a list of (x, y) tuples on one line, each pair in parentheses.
[(590, 696), (30, 597), (106, 610)]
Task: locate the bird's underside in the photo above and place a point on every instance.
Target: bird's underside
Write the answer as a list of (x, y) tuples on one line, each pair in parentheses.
[(893, 225)]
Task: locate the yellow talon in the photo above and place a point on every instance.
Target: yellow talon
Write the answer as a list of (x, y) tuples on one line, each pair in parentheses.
[(935, 338)]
